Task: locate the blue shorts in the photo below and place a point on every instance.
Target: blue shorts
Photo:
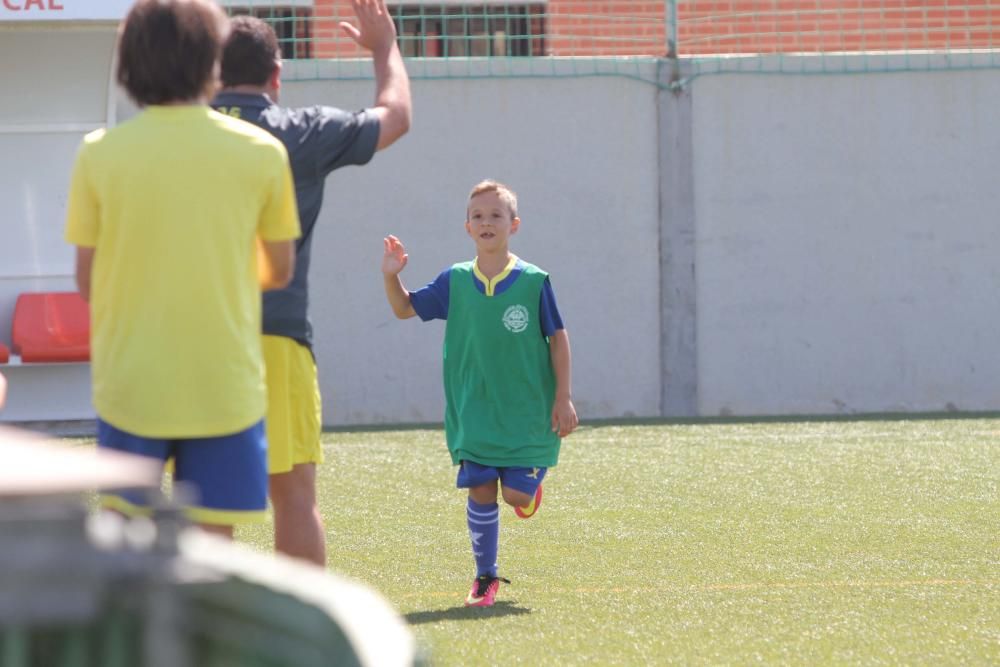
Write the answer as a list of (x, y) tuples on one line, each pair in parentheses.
[(227, 474), (525, 480)]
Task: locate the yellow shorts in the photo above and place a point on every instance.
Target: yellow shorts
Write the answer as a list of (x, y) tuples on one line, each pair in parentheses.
[(294, 407)]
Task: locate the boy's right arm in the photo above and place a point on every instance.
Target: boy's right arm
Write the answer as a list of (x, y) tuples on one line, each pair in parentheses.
[(275, 263), (564, 417), (83, 215), (278, 226), (84, 265), (393, 261)]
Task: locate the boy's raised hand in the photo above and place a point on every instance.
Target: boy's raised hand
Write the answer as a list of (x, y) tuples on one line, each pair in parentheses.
[(375, 30), (395, 257)]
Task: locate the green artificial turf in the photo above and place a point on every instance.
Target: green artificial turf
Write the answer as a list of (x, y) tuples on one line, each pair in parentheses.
[(810, 542)]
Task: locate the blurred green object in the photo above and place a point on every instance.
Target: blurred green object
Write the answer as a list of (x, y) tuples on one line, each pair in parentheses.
[(81, 590)]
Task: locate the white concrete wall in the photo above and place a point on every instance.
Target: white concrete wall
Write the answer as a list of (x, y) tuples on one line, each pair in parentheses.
[(847, 243), (582, 156)]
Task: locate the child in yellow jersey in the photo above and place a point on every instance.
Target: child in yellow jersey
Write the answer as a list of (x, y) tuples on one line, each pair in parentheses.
[(506, 371), (180, 216)]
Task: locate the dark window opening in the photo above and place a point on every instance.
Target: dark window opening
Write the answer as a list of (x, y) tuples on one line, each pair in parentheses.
[(445, 31)]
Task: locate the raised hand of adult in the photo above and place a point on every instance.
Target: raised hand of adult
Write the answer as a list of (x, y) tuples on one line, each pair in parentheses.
[(375, 30)]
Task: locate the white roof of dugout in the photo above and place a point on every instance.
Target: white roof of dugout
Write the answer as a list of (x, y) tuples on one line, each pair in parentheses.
[(100, 10), (63, 10)]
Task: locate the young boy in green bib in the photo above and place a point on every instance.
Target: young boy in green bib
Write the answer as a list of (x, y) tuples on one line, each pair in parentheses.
[(507, 371)]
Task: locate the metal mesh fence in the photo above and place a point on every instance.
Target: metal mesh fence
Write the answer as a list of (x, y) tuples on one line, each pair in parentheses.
[(469, 39)]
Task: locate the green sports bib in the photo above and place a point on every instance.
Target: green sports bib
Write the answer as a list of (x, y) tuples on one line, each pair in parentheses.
[(498, 378)]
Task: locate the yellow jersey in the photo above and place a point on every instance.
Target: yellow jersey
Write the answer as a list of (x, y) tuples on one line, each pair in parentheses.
[(173, 202)]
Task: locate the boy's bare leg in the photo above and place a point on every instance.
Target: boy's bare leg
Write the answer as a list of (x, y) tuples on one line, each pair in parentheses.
[(484, 493), (298, 526), (515, 498), (487, 493)]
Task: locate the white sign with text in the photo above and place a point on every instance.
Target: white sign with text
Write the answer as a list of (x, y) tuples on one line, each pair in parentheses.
[(63, 10)]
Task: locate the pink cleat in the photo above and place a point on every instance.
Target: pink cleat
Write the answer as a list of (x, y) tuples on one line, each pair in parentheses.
[(484, 591)]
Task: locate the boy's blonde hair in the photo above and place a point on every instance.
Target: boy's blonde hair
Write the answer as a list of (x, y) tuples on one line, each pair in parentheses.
[(507, 196)]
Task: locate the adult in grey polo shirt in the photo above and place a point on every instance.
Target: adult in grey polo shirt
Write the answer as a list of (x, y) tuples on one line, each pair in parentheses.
[(319, 140)]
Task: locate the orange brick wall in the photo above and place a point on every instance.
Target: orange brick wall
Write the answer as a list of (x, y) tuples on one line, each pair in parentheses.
[(638, 27), (330, 40), (746, 26), (619, 28)]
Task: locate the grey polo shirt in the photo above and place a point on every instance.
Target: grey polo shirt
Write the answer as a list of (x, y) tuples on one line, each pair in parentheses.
[(319, 140)]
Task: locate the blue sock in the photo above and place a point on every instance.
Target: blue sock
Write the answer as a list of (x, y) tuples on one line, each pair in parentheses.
[(484, 531)]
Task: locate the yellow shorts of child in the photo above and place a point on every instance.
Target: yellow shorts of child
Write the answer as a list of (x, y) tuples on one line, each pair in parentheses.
[(294, 408)]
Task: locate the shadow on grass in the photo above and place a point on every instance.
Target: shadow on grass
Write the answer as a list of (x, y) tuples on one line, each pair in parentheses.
[(465, 613)]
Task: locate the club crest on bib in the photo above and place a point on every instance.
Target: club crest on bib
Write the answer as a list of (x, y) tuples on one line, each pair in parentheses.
[(515, 318)]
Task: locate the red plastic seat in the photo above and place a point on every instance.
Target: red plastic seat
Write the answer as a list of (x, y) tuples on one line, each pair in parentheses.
[(4, 354), (51, 327)]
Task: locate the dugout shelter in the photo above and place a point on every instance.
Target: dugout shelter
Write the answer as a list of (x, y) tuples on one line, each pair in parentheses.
[(57, 86)]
